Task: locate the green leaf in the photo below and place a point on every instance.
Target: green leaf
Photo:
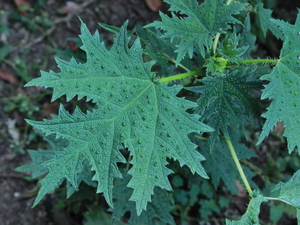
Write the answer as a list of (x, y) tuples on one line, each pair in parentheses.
[(199, 24), (275, 213), (215, 64), (130, 110), (40, 156), (110, 28), (283, 88), (266, 23), (160, 49), (289, 190), (208, 207), (226, 100), (251, 215), (36, 167), (97, 216), (230, 49), (159, 208), (247, 38)]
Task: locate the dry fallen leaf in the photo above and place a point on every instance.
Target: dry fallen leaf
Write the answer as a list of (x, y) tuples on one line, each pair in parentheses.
[(154, 5), (7, 76), (69, 7), (73, 46)]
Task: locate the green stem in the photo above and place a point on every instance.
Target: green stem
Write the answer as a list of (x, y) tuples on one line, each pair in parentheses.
[(279, 199), (179, 76), (217, 37), (174, 61), (202, 138), (256, 170), (128, 162), (237, 164), (250, 61), (216, 43)]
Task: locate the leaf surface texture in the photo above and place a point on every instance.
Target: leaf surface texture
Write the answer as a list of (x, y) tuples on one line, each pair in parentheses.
[(284, 87), (197, 24), (226, 100), (130, 110)]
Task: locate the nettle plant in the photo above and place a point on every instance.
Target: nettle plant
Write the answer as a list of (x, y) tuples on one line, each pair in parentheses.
[(145, 119)]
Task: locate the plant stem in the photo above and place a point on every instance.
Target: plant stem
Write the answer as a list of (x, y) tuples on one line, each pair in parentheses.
[(237, 164), (202, 138), (128, 162), (179, 76), (279, 199), (216, 40), (174, 61), (249, 61)]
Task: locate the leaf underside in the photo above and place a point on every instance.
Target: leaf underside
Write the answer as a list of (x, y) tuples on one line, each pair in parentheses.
[(284, 87), (130, 110)]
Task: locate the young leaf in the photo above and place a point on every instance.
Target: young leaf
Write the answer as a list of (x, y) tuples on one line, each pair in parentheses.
[(283, 88), (131, 109), (225, 100), (198, 25), (230, 49), (251, 215), (215, 65)]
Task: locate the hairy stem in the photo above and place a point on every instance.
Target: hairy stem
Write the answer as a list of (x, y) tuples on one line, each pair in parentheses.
[(238, 165), (266, 61), (179, 76)]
